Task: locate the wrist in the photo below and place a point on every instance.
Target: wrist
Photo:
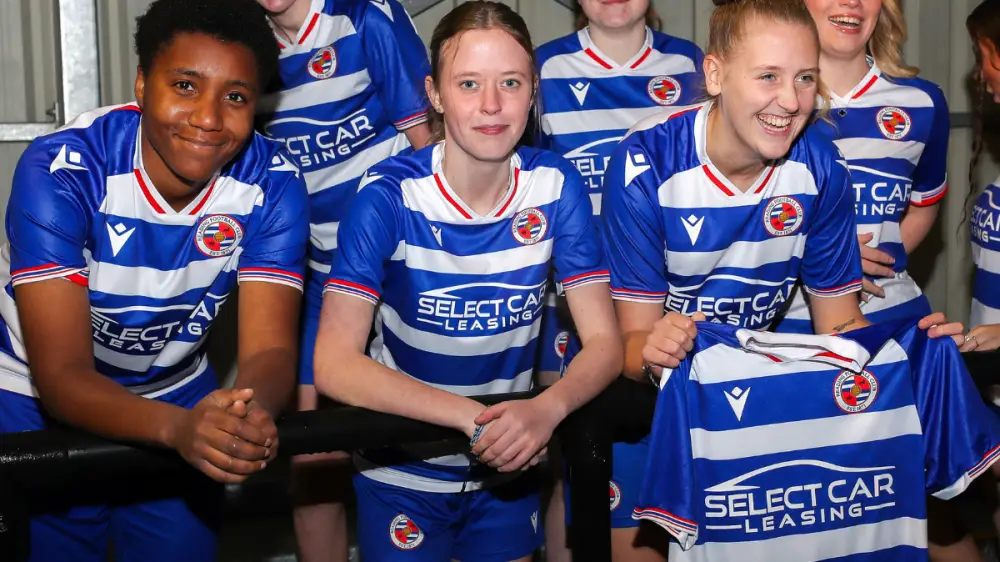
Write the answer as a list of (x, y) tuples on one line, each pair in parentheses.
[(552, 403), (167, 435), (464, 419)]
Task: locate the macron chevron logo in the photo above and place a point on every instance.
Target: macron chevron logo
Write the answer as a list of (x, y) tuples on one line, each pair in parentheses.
[(737, 398), (384, 6), (692, 225), (580, 90), (280, 164), (635, 165), (69, 160)]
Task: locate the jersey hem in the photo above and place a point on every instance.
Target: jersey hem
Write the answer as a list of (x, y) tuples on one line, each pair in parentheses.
[(847, 289), (686, 532), (46, 272), (929, 198), (268, 275), (352, 289)]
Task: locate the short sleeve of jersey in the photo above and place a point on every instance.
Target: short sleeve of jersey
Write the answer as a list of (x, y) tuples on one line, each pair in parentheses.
[(667, 494), (397, 61), (831, 264), (277, 251), (366, 241), (930, 178), (961, 433), (634, 239), (576, 253), (49, 214)]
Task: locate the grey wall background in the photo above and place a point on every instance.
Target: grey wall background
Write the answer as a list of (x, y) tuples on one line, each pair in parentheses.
[(938, 44)]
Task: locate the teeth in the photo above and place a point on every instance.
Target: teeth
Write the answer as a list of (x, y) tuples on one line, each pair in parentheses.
[(775, 121), (846, 20)]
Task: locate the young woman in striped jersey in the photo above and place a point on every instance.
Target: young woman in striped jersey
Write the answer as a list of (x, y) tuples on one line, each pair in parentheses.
[(349, 94), (450, 250), (594, 85)]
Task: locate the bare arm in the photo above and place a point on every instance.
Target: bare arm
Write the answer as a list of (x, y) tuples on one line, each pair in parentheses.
[(68, 385), (268, 343), (344, 373), (635, 322), (418, 135), (916, 223), (600, 359), (836, 314), (73, 391)]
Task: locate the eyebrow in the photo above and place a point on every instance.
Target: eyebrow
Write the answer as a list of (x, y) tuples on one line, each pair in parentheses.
[(196, 74), (773, 68), (470, 73)]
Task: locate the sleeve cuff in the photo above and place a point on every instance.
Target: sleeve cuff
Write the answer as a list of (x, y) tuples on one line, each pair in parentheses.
[(632, 295), (411, 121), (962, 483), (269, 275), (49, 271), (686, 532), (852, 287), (584, 279), (928, 198), (352, 289)]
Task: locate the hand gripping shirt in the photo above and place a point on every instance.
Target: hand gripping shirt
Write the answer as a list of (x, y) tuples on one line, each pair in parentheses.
[(83, 209), (350, 84), (893, 132), (676, 231), (798, 447), (459, 294)]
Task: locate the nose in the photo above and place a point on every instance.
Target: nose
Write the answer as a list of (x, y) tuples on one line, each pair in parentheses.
[(788, 98), (850, 3), (207, 115), (490, 101)]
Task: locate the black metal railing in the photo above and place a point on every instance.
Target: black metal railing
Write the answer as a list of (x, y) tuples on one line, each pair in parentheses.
[(36, 464)]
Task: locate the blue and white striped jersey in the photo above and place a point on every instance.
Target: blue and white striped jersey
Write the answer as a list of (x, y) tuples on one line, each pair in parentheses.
[(349, 85), (460, 295), (985, 230), (677, 231), (893, 132), (83, 209), (588, 102), (798, 447)]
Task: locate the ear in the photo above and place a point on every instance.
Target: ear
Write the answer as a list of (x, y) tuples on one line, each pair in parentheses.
[(713, 75), (433, 95), (140, 87)]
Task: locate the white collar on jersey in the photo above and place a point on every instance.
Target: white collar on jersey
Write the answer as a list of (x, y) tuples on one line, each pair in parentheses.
[(607, 62), (156, 200), (837, 351), (838, 102)]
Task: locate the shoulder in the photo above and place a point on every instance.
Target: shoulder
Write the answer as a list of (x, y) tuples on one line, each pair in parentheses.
[(385, 179), (816, 146), (668, 44), (670, 118), (561, 46), (264, 164), (94, 145), (536, 158), (916, 92)]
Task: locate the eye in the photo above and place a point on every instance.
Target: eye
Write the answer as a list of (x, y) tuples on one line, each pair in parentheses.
[(511, 83), (467, 84), (768, 77), (184, 85), (236, 97), (807, 79)]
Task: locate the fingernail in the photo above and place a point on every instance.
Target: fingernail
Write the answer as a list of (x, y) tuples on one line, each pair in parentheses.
[(263, 465), (268, 442)]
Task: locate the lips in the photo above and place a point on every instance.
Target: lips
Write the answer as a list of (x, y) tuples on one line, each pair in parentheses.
[(201, 144), (491, 129), (775, 124), (846, 23)]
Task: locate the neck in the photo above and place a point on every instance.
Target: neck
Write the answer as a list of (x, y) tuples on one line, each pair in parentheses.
[(733, 160), (619, 44), (175, 190), (843, 75), (290, 21), (479, 184)]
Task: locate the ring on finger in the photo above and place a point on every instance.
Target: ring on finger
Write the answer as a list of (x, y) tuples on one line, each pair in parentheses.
[(971, 337)]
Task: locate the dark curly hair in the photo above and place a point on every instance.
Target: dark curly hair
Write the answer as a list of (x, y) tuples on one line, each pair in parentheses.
[(236, 21)]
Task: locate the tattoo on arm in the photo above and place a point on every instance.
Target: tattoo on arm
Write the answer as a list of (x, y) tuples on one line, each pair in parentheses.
[(840, 327)]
